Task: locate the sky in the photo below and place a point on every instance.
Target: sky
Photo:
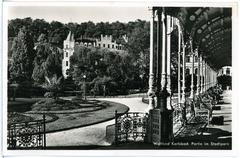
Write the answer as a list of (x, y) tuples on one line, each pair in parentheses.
[(79, 14)]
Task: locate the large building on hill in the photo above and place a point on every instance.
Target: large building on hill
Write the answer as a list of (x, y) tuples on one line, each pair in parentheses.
[(105, 42)]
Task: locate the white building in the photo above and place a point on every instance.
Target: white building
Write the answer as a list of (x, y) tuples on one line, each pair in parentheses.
[(226, 70), (105, 42), (68, 49)]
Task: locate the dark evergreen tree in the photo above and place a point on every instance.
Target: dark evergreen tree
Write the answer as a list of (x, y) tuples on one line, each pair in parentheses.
[(22, 57)]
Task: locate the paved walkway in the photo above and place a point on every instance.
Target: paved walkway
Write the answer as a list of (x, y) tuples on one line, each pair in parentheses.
[(223, 131), (218, 136), (94, 134)]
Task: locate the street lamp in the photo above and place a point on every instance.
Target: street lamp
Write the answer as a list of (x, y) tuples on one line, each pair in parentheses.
[(141, 86), (84, 90)]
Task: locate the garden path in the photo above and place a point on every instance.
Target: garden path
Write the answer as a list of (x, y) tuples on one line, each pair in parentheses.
[(94, 134)]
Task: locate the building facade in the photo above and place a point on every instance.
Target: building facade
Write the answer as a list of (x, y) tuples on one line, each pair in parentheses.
[(226, 70), (68, 49), (105, 42)]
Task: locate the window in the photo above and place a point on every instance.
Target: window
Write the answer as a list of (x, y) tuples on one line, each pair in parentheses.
[(188, 59), (99, 45), (66, 63), (66, 46), (113, 46), (66, 54), (108, 45), (103, 45)]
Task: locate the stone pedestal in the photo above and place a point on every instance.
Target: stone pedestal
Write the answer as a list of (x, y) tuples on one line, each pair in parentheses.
[(161, 126)]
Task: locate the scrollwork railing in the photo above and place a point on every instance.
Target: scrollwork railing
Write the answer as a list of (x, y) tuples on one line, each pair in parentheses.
[(131, 126), (27, 135)]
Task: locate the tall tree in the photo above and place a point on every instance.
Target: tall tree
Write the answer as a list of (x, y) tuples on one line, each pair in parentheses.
[(22, 56), (47, 61)]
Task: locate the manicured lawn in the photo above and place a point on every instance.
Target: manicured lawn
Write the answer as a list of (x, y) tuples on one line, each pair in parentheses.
[(68, 121), (70, 114)]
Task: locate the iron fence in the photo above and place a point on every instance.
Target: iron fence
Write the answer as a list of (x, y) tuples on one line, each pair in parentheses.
[(27, 135), (131, 126)]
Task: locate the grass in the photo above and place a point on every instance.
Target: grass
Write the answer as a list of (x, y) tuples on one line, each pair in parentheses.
[(63, 114), (74, 120), (15, 117), (50, 104)]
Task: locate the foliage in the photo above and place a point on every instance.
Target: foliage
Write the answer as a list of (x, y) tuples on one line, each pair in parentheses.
[(224, 81), (21, 65), (102, 68), (53, 85), (47, 61)]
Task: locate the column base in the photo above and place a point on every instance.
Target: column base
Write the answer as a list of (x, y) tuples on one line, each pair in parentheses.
[(161, 126), (151, 105)]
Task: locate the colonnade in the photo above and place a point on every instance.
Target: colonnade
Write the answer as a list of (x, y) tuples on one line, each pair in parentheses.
[(160, 69), (206, 76)]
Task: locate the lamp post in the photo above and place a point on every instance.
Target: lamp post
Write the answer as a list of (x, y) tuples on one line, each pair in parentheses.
[(141, 86), (84, 90)]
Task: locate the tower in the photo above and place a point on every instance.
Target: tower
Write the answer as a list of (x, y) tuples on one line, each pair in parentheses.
[(68, 49)]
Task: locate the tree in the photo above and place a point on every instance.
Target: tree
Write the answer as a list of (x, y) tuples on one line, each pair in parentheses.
[(48, 60), (53, 86), (22, 57)]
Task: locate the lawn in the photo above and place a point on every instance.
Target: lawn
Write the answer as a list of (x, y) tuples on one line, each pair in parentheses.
[(64, 114)]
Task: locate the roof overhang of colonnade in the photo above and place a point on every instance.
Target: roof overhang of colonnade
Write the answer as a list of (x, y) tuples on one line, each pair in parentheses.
[(210, 30)]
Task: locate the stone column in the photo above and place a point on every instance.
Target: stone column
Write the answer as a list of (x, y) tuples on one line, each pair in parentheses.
[(151, 92), (192, 76)]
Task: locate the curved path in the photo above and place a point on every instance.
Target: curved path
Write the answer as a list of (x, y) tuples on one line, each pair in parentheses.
[(94, 134)]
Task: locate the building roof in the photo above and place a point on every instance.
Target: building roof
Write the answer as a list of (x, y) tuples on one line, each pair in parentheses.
[(70, 36)]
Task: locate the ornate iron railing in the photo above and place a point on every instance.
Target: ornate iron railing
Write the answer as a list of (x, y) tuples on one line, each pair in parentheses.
[(131, 126), (27, 135)]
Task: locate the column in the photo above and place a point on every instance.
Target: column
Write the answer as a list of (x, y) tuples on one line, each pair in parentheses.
[(162, 115), (198, 74), (183, 73), (207, 77), (192, 76), (168, 49), (151, 93), (159, 58), (164, 82), (179, 62), (164, 57), (202, 77)]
